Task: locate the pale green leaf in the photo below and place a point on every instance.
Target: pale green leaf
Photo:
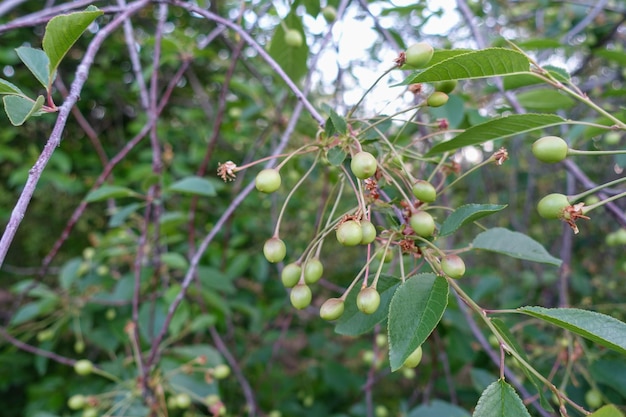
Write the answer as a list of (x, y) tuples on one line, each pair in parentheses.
[(174, 260), (499, 128), (544, 99), (194, 185), (514, 244), (414, 311), (69, 273), (353, 322), (62, 32), (599, 328), (500, 400), (109, 191), (467, 214), (607, 411), (8, 88), (37, 62), (19, 108), (475, 64), (336, 156)]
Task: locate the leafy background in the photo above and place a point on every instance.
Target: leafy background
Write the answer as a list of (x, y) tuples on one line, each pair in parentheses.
[(231, 105)]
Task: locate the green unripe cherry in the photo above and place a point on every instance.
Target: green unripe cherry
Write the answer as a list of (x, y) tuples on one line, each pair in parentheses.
[(369, 232), (453, 266), (422, 224), (329, 13), (83, 367), (445, 86), (363, 165), (332, 309), (300, 296), (414, 358), (593, 398), (274, 250), (76, 402), (313, 271), (293, 38), (291, 274), (550, 149), (424, 191), (552, 206), (183, 400), (437, 99), (268, 180), (419, 54), (221, 371), (368, 300), (349, 233)]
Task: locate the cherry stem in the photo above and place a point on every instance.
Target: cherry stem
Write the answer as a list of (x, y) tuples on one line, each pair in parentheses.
[(469, 171), (295, 187), (587, 209), (593, 190), (358, 103), (595, 153)]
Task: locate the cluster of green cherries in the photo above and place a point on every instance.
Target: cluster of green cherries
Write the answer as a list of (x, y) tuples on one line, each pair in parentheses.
[(553, 149), (349, 232)]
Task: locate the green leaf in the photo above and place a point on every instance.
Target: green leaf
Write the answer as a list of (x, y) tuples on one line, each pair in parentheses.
[(500, 400), (37, 62), (8, 88), (122, 213), (468, 214), (353, 322), (502, 127), (291, 59), (604, 330), (438, 408), (174, 260), (611, 372), (109, 191), (514, 244), (69, 273), (544, 99), (62, 32), (475, 64), (607, 411), (338, 123), (194, 185), (415, 310), (19, 108)]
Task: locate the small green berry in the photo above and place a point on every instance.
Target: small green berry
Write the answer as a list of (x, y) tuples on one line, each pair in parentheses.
[(183, 400), (349, 233), (332, 309), (419, 54), (550, 149), (293, 38), (424, 191), (414, 358), (369, 232), (422, 224), (268, 180), (83, 367), (313, 271), (329, 13), (363, 165), (453, 266), (437, 99), (368, 300), (552, 206), (445, 86), (274, 250), (221, 371), (301, 296), (291, 274), (77, 402)]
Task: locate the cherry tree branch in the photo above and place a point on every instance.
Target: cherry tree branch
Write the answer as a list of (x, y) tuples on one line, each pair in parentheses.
[(55, 137)]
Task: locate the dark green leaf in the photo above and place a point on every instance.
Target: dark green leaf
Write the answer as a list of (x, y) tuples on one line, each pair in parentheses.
[(353, 322), (500, 400), (415, 310), (514, 244), (339, 123), (19, 108), (62, 32), (599, 328), (475, 64), (467, 214), (174, 260), (37, 62), (8, 88), (194, 185), (109, 191), (69, 273), (502, 127)]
